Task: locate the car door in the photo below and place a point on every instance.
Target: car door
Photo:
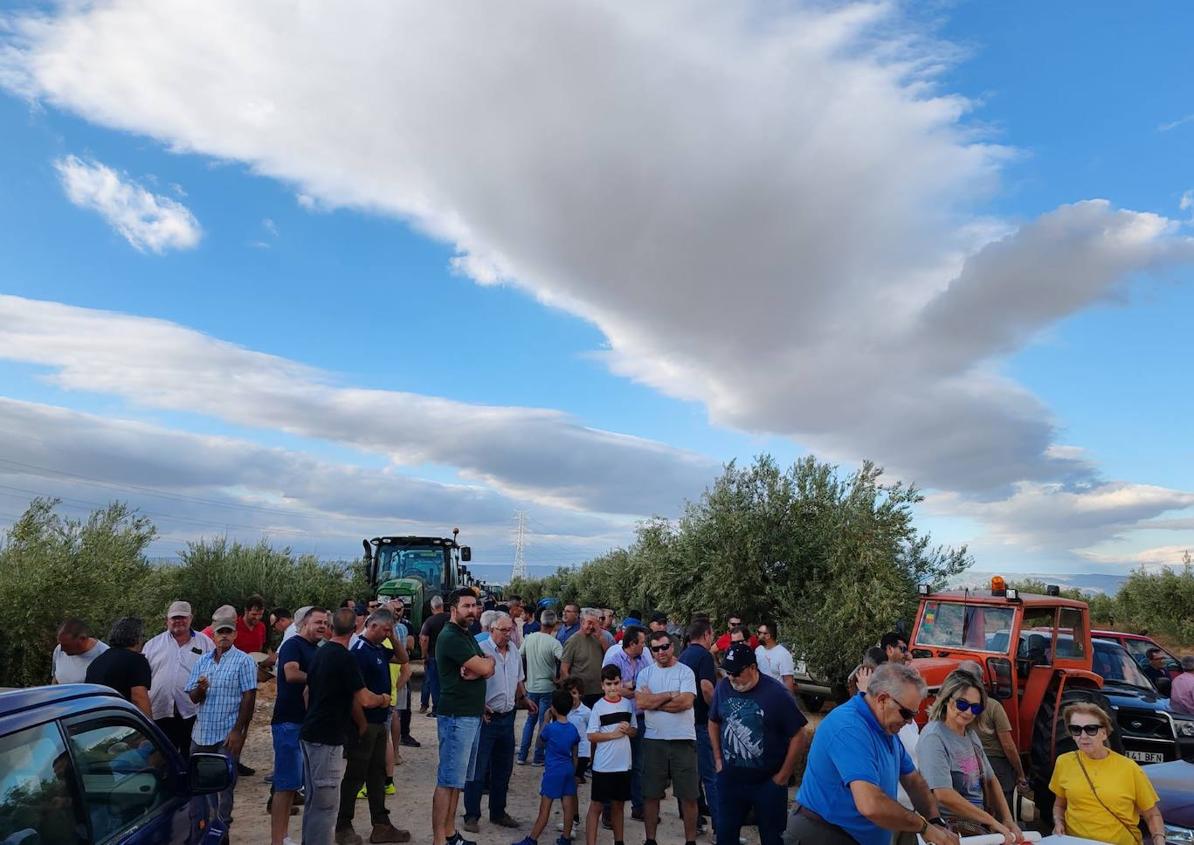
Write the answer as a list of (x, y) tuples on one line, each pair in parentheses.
[(132, 787), (39, 803)]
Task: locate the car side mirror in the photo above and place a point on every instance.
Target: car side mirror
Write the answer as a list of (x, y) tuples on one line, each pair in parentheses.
[(466, 553), (210, 773)]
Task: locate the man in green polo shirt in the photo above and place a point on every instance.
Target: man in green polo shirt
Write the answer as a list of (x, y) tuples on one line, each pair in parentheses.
[(463, 668)]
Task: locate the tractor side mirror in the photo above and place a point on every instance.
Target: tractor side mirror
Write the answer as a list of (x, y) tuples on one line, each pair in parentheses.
[(466, 553), (1000, 669)]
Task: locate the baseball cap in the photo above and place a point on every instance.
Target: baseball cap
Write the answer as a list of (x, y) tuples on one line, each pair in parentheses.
[(740, 656), (224, 618), (178, 608), (631, 620)]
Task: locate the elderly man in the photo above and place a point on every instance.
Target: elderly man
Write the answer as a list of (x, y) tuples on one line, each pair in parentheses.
[(172, 655), (582, 657), (667, 693), (542, 652), (290, 708), (463, 669), (1181, 696), (848, 794), (515, 606), (365, 748), (223, 683), (630, 658), (123, 667), (569, 622), (504, 694), (757, 734), (75, 650)]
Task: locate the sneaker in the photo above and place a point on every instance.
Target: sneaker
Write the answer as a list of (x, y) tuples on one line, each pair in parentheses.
[(242, 769), (391, 789), (506, 821), (563, 840), (430, 714), (410, 742), (457, 839), (472, 825), (701, 826), (388, 833), (522, 761), (649, 842), (363, 793), (348, 836), (526, 840)]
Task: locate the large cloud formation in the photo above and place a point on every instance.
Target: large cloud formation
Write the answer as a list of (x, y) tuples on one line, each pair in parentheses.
[(771, 210)]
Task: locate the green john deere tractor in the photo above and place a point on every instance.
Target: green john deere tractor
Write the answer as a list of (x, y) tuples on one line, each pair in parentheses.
[(416, 568)]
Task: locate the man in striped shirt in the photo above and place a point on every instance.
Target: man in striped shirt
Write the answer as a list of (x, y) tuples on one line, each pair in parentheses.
[(224, 685)]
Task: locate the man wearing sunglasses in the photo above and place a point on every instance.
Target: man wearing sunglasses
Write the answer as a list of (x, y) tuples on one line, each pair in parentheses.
[(856, 761), (667, 693), (895, 645)]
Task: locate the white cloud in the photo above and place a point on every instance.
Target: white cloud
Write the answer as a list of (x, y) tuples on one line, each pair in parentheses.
[(150, 222), (1148, 558), (529, 453)]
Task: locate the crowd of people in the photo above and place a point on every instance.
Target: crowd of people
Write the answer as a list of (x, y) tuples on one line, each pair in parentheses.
[(627, 708)]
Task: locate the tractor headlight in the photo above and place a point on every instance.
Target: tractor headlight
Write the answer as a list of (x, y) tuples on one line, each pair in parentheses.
[(1175, 835), (1185, 727)]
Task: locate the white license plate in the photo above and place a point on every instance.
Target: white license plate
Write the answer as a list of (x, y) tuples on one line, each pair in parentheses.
[(1147, 756)]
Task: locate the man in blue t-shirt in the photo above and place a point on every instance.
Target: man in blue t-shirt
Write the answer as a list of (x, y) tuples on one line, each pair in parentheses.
[(848, 794), (289, 711), (757, 734), (698, 658)]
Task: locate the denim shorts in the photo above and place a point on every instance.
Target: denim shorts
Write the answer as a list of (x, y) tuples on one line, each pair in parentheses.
[(459, 739), (288, 756)]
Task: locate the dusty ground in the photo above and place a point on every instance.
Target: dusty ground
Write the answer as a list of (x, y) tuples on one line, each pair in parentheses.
[(411, 807)]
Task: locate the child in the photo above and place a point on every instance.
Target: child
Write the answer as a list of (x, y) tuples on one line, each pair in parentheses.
[(559, 769), (579, 717), (611, 725)]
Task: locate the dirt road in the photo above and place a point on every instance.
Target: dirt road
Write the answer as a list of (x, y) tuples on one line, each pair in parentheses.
[(411, 807)]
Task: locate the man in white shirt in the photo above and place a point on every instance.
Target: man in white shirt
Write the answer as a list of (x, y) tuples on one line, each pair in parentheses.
[(172, 655), (666, 693), (75, 650), (504, 693), (774, 660)]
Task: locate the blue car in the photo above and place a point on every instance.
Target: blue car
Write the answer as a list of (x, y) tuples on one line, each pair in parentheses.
[(79, 764), (1174, 782)]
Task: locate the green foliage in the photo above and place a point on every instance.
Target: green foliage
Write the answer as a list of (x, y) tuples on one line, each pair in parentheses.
[(772, 545), (1159, 603), (53, 567)]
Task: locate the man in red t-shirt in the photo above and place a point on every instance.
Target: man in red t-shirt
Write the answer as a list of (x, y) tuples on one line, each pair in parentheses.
[(723, 642), (250, 630)]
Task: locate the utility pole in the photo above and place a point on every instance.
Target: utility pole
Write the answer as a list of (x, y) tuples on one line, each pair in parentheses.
[(520, 546)]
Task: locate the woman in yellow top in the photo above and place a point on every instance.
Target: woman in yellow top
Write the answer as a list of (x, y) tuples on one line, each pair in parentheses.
[(1101, 795)]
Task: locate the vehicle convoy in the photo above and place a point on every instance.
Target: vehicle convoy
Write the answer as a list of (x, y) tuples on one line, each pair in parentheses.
[(79, 764), (1038, 657), (417, 569)]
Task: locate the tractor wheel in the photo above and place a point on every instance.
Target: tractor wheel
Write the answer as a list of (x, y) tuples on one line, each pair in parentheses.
[(1041, 756), (813, 703)]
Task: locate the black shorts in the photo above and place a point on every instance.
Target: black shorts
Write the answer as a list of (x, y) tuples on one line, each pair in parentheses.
[(611, 786)]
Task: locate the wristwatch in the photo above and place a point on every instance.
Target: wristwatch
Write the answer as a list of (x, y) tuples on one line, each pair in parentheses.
[(937, 821)]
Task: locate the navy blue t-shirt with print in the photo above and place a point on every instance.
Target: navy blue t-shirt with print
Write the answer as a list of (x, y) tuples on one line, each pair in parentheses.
[(755, 727), (700, 661), (374, 661), (289, 707)]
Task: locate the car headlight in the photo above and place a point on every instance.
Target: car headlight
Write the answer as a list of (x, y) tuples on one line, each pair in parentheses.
[(1175, 835), (1185, 727)]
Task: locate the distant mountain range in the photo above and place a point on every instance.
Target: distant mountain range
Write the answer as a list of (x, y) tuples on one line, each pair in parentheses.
[(1088, 582)]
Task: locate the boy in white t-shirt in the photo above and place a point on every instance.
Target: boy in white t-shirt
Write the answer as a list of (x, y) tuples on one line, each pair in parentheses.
[(611, 725)]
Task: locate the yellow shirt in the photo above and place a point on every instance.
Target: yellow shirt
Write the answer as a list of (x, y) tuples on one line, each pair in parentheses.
[(1122, 785), (395, 671)]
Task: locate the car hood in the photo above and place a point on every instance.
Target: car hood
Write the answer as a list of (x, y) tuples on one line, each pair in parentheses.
[(1126, 695), (1174, 783)]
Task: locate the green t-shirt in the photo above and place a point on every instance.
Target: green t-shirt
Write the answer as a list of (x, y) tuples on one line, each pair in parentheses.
[(458, 697), (542, 652), (584, 654)]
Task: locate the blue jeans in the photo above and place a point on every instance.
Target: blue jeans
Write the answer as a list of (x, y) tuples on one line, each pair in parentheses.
[(737, 796), (708, 772), (495, 763), (459, 738), (430, 688), (543, 702)]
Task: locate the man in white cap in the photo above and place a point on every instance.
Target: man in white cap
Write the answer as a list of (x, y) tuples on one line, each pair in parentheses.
[(172, 655), (224, 685)]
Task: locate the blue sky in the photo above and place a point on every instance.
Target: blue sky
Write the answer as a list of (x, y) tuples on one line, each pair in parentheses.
[(754, 231)]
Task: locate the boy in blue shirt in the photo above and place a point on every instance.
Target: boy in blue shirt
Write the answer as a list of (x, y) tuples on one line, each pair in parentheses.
[(559, 769)]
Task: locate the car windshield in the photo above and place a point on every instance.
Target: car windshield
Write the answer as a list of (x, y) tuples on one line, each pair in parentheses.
[(1113, 663), (977, 627), (426, 563)]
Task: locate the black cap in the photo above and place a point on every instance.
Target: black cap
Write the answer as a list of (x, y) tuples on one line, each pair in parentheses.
[(659, 616), (740, 656)]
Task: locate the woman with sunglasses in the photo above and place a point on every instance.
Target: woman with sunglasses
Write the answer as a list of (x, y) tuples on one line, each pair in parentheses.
[(950, 756), (1101, 795)]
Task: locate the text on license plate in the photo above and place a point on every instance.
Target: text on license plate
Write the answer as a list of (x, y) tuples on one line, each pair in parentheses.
[(1147, 756)]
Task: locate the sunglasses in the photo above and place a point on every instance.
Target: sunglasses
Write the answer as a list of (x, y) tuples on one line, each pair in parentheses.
[(1089, 730), (663, 647), (734, 623), (963, 705), (905, 714)]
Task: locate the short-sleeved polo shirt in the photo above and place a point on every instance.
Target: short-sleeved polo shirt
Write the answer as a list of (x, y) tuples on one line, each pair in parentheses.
[(851, 745), (374, 663)]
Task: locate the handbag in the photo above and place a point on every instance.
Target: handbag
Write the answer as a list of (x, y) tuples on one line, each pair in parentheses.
[(1129, 828)]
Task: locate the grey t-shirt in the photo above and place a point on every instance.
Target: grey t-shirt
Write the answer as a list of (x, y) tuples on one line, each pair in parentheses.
[(72, 668), (950, 761)]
